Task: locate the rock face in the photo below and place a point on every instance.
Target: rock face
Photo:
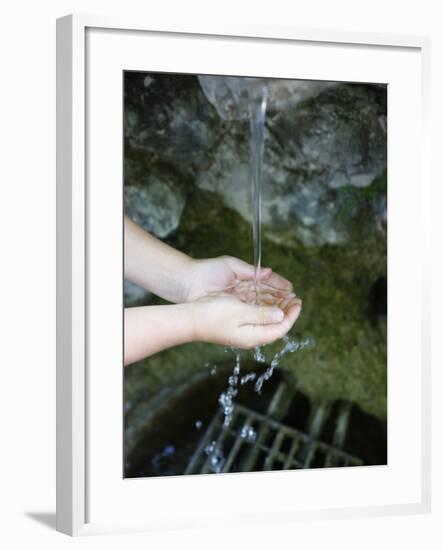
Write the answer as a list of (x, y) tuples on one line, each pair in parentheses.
[(169, 119), (134, 295), (156, 206), (315, 144), (320, 140), (231, 95)]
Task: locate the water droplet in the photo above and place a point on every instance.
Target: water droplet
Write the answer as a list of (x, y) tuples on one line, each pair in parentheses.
[(290, 346), (248, 433), (248, 378), (259, 355)]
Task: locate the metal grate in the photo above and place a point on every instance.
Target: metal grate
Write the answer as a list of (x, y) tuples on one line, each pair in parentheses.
[(274, 446)]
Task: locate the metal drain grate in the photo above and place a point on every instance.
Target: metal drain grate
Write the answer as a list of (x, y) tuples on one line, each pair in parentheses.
[(273, 446)]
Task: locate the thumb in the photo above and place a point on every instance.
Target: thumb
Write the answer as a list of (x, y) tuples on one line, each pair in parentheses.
[(262, 315)]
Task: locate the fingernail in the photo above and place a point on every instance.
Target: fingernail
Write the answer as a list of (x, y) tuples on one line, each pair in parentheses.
[(278, 315)]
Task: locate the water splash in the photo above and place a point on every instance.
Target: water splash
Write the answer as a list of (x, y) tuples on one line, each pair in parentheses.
[(259, 355), (212, 368), (290, 346), (216, 457), (248, 433), (226, 398), (249, 377)]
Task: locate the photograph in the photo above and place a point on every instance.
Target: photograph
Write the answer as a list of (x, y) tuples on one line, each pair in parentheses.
[(220, 282), (255, 274)]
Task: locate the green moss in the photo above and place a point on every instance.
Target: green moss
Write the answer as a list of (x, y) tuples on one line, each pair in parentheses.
[(357, 198), (348, 360)]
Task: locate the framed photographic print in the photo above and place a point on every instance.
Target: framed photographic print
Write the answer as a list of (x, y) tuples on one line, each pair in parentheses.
[(238, 340)]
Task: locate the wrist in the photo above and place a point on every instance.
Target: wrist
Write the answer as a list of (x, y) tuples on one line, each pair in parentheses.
[(186, 278), (188, 322)]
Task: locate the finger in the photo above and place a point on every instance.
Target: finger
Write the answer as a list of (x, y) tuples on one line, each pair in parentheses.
[(292, 314), (277, 291), (264, 273), (245, 294), (266, 295), (260, 335), (284, 303), (267, 299), (261, 315), (274, 296), (278, 281), (245, 271)]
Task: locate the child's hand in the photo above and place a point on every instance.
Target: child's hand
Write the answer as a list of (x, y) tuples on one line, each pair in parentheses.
[(224, 319), (204, 277)]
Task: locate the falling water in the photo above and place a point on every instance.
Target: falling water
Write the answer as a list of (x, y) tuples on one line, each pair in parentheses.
[(257, 104), (257, 114), (257, 93), (290, 346), (226, 398)]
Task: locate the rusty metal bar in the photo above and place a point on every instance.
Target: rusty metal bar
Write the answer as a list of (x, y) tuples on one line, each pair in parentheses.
[(252, 457), (334, 457), (310, 454), (294, 447), (330, 461), (318, 419), (203, 443), (266, 421), (341, 425), (236, 446), (274, 450), (207, 467)]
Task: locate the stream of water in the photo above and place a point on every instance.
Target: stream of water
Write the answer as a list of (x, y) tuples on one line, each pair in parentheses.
[(258, 95), (257, 116)]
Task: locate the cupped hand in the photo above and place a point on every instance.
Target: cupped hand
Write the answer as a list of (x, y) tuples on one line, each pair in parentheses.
[(206, 277), (225, 319)]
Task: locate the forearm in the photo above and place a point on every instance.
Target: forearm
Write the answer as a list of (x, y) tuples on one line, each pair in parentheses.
[(154, 265), (150, 329)]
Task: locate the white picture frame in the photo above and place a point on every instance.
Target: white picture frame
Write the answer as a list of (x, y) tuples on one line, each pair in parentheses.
[(86, 493)]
